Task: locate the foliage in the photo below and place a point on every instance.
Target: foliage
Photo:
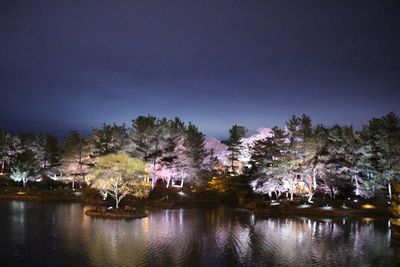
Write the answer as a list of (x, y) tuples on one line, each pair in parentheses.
[(76, 160), (234, 143), (118, 176), (335, 160), (19, 176), (221, 183), (108, 139), (300, 159), (49, 151)]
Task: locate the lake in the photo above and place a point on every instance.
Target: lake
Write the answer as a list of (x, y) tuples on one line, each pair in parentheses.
[(53, 234)]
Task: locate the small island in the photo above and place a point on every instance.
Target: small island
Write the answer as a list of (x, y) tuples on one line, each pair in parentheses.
[(126, 213)]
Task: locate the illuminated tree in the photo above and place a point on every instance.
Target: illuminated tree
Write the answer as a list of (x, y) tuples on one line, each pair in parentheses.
[(49, 152), (248, 143), (144, 137), (26, 160), (148, 140), (75, 157), (118, 176), (234, 143), (268, 186), (383, 135), (172, 150), (215, 148), (6, 150), (195, 154), (108, 139), (221, 183), (19, 175), (266, 151)]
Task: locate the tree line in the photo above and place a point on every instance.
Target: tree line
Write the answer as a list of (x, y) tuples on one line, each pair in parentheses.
[(300, 159)]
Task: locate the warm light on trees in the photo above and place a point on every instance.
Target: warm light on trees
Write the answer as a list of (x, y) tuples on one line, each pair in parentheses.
[(119, 176)]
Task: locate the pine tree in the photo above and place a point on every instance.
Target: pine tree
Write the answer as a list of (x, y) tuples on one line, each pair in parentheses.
[(234, 143), (75, 155), (108, 139), (195, 151)]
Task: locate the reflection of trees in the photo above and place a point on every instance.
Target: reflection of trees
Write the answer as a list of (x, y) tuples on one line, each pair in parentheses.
[(114, 242), (17, 222), (214, 237), (333, 243)]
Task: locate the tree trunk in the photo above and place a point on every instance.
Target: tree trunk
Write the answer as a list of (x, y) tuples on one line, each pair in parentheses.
[(116, 203), (153, 180), (116, 198), (2, 165), (314, 177), (310, 198), (357, 185)]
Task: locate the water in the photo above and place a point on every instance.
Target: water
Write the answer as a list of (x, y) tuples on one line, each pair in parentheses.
[(50, 234)]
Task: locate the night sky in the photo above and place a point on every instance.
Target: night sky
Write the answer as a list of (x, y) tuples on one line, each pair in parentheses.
[(76, 64)]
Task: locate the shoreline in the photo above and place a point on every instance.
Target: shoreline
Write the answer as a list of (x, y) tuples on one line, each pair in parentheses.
[(115, 214), (322, 208), (70, 199), (318, 212), (271, 211)]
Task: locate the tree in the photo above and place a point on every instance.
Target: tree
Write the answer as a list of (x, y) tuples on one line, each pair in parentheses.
[(19, 175), (27, 157), (234, 143), (148, 141), (265, 151), (195, 153), (271, 165), (246, 148), (173, 150), (76, 150), (49, 151), (221, 183), (108, 139), (144, 136), (383, 137), (171, 157), (118, 176), (6, 150)]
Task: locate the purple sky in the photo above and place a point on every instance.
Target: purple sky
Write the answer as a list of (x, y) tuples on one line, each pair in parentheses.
[(76, 64)]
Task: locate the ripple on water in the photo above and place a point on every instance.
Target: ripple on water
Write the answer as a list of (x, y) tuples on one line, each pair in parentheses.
[(187, 237)]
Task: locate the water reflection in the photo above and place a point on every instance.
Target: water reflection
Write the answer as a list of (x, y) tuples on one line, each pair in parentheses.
[(18, 227), (188, 237)]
